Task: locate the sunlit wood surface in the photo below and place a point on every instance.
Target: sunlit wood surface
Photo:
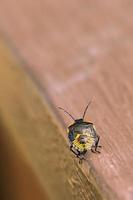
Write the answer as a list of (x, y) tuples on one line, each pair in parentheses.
[(79, 51)]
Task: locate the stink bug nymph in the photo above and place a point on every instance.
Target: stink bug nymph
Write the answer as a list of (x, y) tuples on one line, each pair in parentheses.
[(82, 136)]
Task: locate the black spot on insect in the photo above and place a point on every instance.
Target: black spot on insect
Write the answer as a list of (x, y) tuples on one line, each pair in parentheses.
[(82, 136)]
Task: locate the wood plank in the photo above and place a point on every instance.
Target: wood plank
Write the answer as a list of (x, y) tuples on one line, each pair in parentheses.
[(72, 46), (36, 161)]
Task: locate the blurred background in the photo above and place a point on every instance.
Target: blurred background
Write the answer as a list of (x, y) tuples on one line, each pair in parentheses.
[(67, 44), (77, 51)]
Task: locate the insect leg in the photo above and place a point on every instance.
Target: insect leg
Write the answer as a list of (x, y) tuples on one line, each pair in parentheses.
[(71, 149), (96, 144), (84, 153), (81, 156), (93, 151)]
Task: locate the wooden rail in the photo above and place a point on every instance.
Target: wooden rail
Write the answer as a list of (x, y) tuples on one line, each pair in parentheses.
[(35, 159), (78, 51)]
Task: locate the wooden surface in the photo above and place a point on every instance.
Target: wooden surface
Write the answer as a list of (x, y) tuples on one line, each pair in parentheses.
[(35, 160), (79, 51)]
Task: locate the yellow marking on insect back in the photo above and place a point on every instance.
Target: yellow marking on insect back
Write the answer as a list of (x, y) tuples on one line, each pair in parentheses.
[(82, 147)]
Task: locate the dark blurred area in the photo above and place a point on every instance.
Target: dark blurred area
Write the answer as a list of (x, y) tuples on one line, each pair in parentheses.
[(18, 181)]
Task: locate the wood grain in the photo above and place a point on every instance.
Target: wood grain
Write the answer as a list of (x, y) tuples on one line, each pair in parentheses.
[(35, 160), (80, 51)]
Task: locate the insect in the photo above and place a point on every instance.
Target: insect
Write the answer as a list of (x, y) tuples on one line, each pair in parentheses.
[(82, 136)]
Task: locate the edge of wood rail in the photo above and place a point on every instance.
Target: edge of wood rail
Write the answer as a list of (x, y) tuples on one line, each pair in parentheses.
[(37, 162)]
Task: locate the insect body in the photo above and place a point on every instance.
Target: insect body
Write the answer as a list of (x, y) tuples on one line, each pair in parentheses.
[(82, 136)]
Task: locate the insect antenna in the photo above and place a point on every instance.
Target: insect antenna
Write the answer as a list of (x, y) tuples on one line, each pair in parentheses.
[(86, 109), (67, 113)]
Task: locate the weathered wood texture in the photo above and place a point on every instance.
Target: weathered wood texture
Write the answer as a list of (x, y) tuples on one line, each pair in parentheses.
[(35, 160), (82, 50)]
